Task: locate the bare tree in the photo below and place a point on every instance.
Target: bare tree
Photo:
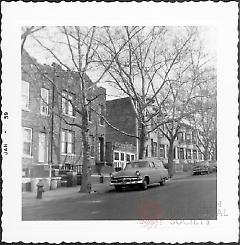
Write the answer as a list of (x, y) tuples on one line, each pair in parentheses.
[(187, 90), (74, 49), (205, 123), (28, 31), (146, 68)]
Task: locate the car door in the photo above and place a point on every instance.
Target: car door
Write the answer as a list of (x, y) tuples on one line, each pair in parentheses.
[(160, 170), (154, 173)]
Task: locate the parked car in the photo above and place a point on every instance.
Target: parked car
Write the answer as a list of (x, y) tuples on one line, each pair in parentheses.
[(213, 166), (140, 173), (201, 168)]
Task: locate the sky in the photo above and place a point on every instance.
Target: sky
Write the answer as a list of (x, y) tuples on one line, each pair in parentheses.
[(207, 33)]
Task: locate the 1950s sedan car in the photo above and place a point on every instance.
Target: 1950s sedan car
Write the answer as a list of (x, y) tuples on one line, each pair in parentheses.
[(141, 173), (201, 168)]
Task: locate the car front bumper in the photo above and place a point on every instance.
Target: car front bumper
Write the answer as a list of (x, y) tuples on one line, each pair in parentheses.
[(125, 183)]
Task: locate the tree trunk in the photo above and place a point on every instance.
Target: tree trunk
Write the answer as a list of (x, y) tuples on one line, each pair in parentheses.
[(86, 168), (170, 160), (205, 155), (142, 139)]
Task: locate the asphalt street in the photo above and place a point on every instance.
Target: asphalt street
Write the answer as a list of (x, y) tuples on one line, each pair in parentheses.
[(190, 198)]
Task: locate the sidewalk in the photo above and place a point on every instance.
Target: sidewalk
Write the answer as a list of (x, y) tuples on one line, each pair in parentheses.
[(180, 175), (29, 198)]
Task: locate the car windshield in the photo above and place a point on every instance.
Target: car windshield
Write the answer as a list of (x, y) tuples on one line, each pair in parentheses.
[(136, 165)]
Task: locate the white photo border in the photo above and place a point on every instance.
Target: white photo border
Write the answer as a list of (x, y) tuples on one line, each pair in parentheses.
[(223, 16)]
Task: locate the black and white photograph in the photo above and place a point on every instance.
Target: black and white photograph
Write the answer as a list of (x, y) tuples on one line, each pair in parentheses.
[(120, 122), (111, 110)]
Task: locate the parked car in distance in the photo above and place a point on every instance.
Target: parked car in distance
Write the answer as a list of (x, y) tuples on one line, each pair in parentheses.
[(141, 173), (213, 166), (201, 168)]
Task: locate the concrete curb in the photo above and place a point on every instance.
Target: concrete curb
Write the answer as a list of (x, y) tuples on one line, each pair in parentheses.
[(181, 175), (29, 198)]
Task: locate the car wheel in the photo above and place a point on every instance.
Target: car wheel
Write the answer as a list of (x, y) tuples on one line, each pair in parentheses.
[(118, 188), (144, 185), (162, 182)]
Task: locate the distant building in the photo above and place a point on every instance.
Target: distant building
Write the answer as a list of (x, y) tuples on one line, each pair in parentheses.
[(47, 139), (121, 148), (186, 147)]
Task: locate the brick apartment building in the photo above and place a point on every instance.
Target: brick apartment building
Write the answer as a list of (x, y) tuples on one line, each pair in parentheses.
[(47, 139), (120, 147), (186, 148)]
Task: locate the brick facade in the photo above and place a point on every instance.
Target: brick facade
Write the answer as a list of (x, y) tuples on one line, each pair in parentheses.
[(46, 145), (120, 147), (121, 114)]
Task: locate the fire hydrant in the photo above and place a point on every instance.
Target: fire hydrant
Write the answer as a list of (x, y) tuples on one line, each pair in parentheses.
[(40, 189)]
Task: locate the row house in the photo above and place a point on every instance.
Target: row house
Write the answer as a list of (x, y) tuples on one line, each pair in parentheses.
[(122, 115), (48, 117), (120, 147), (186, 147)]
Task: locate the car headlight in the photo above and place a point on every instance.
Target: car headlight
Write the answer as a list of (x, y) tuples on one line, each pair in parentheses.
[(137, 173)]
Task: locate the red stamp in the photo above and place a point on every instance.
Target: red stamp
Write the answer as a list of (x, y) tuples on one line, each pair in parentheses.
[(149, 214)]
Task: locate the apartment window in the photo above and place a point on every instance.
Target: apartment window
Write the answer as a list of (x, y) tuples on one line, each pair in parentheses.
[(44, 101), (42, 148), (188, 154), (181, 153), (116, 156), (25, 96), (188, 138), (67, 142), (102, 114), (27, 141), (67, 107), (194, 138), (91, 143), (122, 156), (153, 148), (174, 153), (194, 154), (132, 157), (128, 157), (146, 151), (180, 137)]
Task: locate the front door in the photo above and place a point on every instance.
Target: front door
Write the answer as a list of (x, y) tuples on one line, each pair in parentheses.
[(101, 149)]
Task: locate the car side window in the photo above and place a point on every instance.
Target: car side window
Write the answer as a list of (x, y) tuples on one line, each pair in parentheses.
[(159, 165), (151, 165)]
